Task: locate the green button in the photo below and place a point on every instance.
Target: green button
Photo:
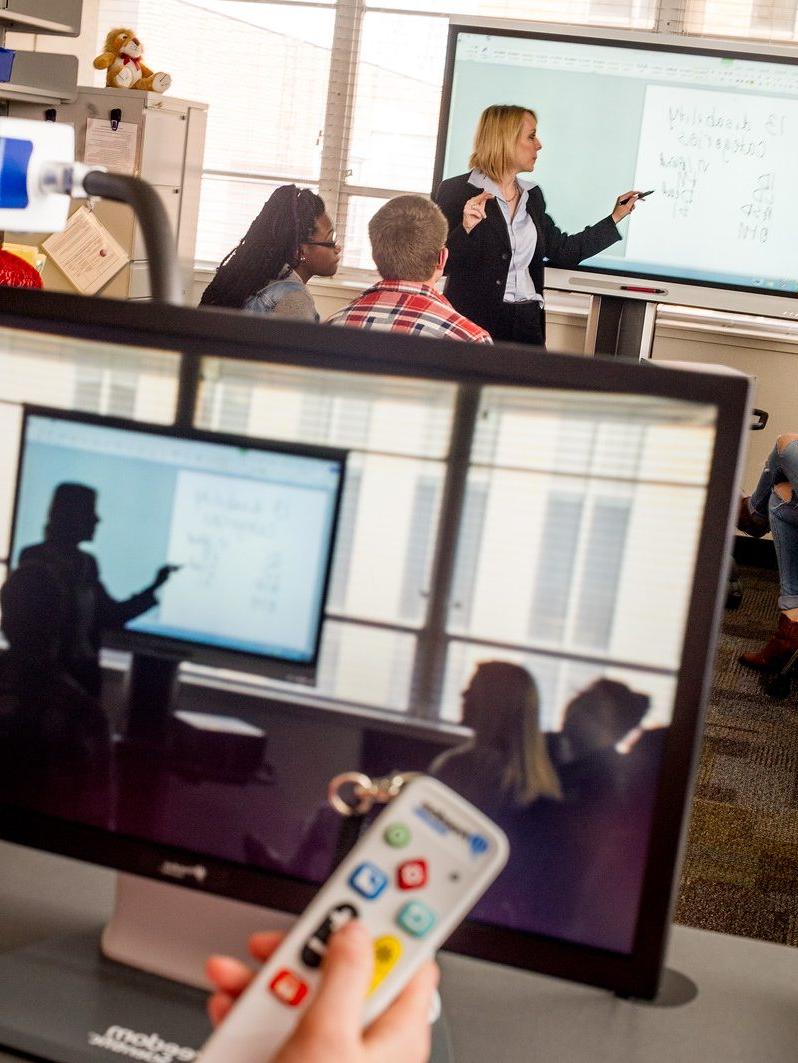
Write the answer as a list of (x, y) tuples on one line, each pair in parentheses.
[(397, 835)]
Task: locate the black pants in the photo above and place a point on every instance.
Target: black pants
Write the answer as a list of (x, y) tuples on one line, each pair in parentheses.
[(520, 323)]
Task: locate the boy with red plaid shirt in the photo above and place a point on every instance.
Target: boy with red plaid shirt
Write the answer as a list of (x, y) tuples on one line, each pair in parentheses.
[(408, 244)]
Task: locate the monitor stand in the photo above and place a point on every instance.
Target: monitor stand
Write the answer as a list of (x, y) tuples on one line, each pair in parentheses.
[(151, 683), (170, 931), (136, 986)]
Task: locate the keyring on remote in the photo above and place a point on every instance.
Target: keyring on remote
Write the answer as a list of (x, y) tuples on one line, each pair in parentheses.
[(415, 873)]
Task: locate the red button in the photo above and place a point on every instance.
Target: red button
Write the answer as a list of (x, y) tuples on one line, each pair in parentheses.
[(288, 988), (412, 875)]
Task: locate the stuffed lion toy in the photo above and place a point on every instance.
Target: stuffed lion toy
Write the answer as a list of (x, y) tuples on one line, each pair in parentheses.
[(124, 69)]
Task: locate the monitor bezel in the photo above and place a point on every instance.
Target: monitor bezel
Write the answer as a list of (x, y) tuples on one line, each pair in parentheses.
[(194, 650), (198, 334), (593, 280)]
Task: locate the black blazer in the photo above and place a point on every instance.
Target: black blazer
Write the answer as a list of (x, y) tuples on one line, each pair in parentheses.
[(480, 260)]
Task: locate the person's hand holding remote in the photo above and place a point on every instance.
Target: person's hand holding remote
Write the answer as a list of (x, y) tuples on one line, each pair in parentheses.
[(330, 1030)]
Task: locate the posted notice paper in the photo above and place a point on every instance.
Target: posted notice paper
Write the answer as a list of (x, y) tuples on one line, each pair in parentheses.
[(113, 148), (86, 253)]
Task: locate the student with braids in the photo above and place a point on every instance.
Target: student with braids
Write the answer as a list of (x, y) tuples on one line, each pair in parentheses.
[(290, 241)]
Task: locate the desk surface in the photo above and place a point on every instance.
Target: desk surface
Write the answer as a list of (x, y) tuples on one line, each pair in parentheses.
[(745, 1010)]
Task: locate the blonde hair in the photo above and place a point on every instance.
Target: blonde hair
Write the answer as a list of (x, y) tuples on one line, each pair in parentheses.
[(407, 236), (496, 137), (504, 710)]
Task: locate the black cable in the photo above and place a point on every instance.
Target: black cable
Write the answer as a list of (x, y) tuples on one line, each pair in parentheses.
[(166, 284)]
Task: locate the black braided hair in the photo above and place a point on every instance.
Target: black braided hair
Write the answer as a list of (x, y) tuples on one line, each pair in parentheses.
[(287, 219)]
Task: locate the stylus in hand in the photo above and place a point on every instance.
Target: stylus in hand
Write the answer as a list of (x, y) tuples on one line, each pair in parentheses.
[(638, 196)]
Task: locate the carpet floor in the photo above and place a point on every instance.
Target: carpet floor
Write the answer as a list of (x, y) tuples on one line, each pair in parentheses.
[(740, 873)]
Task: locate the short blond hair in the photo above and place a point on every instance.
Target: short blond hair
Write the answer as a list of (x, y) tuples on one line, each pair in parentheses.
[(407, 236), (496, 137)]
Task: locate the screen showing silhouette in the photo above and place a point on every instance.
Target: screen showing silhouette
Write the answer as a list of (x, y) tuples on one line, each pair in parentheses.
[(560, 691), (183, 539)]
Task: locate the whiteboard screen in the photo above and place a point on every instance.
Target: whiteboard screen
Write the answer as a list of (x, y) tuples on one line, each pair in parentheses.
[(714, 136)]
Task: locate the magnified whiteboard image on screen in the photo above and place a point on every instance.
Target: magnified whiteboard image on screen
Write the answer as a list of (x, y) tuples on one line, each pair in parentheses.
[(712, 135), (251, 562), (248, 529)]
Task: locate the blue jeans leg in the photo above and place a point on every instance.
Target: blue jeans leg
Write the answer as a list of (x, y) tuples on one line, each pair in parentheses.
[(761, 494), (779, 467), (784, 527)]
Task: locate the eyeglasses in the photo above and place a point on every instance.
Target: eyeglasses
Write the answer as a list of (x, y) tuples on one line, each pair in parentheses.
[(332, 243)]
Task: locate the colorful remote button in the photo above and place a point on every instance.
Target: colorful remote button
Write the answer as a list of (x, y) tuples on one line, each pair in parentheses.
[(412, 875), (478, 844), (368, 880), (416, 919), (314, 949), (387, 951), (288, 988), (397, 835)]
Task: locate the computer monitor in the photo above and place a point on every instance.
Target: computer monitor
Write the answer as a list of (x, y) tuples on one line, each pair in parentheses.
[(701, 126), (524, 598)]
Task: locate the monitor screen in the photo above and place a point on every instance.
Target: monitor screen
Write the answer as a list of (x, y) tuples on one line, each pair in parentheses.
[(708, 133), (523, 602), (242, 531)]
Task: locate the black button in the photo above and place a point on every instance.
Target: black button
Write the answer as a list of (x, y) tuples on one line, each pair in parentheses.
[(505, 256), (498, 281), (316, 946)]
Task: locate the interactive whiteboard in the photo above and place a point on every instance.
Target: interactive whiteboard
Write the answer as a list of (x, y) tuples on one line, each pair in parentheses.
[(713, 134)]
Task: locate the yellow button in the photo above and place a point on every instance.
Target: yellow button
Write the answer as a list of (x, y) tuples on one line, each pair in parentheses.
[(387, 951)]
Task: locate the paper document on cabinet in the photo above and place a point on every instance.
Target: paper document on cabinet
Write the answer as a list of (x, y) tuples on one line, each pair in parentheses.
[(112, 148), (86, 253)]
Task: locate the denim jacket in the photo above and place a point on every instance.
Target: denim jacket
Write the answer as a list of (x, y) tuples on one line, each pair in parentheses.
[(269, 298)]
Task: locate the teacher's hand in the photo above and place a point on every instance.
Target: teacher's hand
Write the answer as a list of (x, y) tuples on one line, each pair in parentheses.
[(624, 204), (474, 210), (162, 575)]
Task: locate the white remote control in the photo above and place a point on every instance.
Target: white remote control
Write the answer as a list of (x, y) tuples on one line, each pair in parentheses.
[(415, 873)]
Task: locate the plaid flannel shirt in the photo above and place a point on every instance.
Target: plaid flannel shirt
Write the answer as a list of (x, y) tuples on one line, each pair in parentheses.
[(417, 309)]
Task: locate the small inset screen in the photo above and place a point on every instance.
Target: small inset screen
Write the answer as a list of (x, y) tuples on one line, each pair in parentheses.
[(243, 535)]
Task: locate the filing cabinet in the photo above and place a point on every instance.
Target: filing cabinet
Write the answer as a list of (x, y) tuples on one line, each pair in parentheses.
[(169, 151)]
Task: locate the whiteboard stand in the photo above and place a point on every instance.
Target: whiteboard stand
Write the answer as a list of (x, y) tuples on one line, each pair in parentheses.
[(620, 327), (150, 689)]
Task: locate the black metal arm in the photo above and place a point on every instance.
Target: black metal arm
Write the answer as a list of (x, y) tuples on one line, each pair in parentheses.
[(165, 281)]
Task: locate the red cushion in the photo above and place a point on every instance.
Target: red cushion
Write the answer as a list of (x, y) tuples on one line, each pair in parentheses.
[(15, 272)]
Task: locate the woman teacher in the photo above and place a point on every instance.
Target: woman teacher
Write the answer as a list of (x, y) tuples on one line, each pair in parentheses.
[(500, 234)]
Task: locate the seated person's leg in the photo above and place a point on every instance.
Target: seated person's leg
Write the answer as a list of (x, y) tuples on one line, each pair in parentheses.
[(784, 525), (781, 466)]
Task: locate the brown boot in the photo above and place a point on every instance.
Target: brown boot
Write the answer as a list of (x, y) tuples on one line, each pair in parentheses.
[(750, 522), (777, 651)]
